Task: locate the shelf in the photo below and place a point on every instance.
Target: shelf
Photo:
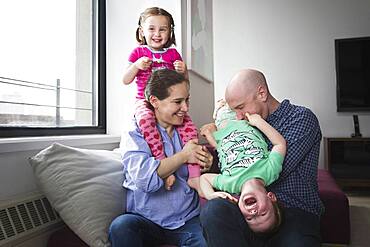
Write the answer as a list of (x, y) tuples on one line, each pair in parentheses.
[(348, 160)]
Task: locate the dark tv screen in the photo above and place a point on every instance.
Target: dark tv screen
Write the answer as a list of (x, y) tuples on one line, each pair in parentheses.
[(352, 57)]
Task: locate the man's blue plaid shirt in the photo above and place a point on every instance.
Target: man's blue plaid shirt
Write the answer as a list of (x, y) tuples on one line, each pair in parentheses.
[(297, 184)]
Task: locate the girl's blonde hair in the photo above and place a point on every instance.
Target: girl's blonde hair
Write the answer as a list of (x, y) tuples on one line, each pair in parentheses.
[(154, 11)]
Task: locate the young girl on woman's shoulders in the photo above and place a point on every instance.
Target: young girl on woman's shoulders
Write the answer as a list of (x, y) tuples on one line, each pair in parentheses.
[(156, 37)]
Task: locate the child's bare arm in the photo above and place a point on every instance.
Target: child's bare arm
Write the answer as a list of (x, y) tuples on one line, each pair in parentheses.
[(277, 140), (206, 186), (206, 181), (131, 71), (207, 131)]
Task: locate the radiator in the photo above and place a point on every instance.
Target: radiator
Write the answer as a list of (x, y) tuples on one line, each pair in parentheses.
[(20, 219)]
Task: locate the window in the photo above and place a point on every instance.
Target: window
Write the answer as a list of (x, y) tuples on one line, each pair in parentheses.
[(52, 67)]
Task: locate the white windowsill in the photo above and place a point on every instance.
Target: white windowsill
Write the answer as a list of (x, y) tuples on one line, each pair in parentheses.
[(33, 143)]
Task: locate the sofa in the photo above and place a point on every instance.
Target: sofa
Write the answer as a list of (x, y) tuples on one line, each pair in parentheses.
[(335, 222)]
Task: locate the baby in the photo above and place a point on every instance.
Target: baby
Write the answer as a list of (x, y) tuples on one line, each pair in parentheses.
[(247, 166)]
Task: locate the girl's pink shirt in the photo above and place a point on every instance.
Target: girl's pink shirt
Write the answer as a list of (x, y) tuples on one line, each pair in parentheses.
[(160, 59)]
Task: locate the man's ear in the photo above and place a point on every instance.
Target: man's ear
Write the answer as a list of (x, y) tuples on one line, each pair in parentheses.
[(272, 196), (262, 93), (154, 101)]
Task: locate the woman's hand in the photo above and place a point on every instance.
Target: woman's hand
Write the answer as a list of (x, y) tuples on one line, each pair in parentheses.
[(209, 160), (143, 63), (192, 152), (198, 154)]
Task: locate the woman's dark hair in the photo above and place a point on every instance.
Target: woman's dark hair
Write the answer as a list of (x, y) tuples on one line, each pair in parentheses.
[(153, 11), (159, 83)]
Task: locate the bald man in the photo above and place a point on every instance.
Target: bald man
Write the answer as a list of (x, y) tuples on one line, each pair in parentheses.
[(297, 188)]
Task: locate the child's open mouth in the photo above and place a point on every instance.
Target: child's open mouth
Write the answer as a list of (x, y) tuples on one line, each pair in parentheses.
[(250, 200), (250, 203)]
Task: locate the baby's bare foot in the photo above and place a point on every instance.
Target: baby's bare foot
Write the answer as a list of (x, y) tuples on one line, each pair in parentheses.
[(169, 182)]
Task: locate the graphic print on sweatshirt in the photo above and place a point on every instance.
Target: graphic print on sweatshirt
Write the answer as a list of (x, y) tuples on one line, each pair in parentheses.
[(239, 150)]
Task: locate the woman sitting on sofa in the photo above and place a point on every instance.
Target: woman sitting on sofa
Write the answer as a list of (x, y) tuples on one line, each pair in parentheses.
[(154, 215)]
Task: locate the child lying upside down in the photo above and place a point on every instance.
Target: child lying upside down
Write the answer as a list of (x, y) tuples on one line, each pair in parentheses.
[(247, 166)]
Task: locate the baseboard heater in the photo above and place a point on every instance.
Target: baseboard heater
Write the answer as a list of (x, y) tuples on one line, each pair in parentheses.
[(20, 219)]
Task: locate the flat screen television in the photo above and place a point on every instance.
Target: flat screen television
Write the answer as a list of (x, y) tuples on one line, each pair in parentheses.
[(352, 58)]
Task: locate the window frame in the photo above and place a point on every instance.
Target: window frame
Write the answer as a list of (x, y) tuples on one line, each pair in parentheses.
[(101, 86)]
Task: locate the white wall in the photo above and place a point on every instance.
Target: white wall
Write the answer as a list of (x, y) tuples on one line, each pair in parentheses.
[(16, 177), (292, 42), (122, 19)]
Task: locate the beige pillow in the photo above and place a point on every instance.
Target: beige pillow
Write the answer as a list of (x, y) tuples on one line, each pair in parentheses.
[(84, 186)]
